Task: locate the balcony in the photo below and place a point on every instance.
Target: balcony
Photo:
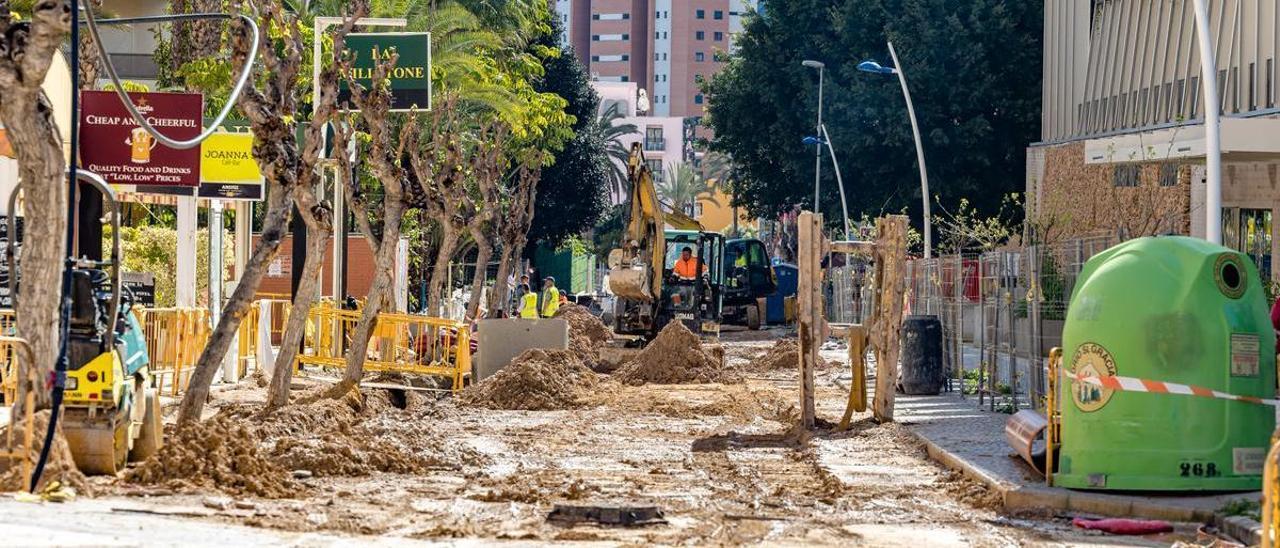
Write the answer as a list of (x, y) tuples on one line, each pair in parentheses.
[(655, 144)]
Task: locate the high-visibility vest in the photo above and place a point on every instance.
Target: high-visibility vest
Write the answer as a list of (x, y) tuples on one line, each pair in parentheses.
[(551, 303), (529, 306)]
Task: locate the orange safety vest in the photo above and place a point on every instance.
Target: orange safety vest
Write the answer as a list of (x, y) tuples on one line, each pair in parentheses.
[(687, 269)]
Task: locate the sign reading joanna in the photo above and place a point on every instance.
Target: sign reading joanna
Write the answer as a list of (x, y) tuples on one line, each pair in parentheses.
[(115, 147), (410, 77)]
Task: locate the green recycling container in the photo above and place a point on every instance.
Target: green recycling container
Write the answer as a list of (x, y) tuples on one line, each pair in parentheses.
[(1170, 310)]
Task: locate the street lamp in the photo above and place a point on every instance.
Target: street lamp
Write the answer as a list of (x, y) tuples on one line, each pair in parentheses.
[(826, 139), (875, 68), (817, 151), (1212, 127)]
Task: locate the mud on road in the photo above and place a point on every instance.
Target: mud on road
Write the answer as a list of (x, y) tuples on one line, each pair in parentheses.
[(721, 461)]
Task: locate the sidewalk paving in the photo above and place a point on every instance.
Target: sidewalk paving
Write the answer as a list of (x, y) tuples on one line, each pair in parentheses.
[(971, 440)]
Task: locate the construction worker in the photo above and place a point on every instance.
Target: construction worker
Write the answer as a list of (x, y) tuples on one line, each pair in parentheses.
[(686, 267), (528, 303), (550, 297)]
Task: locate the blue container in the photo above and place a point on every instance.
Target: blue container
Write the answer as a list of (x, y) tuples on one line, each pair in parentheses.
[(788, 282)]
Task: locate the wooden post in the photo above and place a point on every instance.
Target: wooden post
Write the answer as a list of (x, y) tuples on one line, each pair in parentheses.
[(891, 251), (809, 307)]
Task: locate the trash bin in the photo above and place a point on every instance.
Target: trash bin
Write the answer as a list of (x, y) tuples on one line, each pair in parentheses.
[(921, 356)]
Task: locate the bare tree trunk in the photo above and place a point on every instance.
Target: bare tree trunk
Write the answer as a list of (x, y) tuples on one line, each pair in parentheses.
[(484, 251), (284, 167), (28, 117), (440, 273), (500, 297), (273, 231), (384, 262), (89, 62), (319, 223)]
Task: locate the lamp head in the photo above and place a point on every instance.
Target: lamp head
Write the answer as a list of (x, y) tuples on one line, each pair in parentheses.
[(813, 64), (875, 68)]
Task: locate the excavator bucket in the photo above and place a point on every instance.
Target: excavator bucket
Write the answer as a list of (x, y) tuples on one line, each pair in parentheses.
[(630, 283)]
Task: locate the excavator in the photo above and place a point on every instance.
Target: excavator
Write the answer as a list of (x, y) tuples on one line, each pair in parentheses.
[(648, 295)]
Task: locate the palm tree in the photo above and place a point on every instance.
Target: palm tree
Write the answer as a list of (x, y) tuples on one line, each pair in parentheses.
[(684, 188), (611, 133)]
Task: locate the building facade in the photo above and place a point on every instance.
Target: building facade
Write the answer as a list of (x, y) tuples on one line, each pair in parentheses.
[(664, 46), (661, 137), (1123, 135)]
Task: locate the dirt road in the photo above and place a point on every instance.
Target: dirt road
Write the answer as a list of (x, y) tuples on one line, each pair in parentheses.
[(719, 460)]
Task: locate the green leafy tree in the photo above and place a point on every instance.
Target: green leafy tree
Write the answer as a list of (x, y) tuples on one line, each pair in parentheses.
[(974, 71), (612, 133), (683, 188)]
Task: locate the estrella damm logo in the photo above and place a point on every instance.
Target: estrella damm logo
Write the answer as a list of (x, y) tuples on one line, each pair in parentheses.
[(1091, 360)]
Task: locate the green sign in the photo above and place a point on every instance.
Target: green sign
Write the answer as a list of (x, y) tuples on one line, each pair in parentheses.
[(410, 77)]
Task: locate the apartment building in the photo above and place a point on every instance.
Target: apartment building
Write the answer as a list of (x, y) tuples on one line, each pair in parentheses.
[(661, 137), (664, 46), (1122, 147)]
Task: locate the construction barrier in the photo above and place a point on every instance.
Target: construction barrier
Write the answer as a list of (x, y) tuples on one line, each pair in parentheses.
[(175, 338), (401, 343), (21, 363)]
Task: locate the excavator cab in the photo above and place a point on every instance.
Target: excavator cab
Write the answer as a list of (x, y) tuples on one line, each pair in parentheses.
[(749, 277), (695, 302)]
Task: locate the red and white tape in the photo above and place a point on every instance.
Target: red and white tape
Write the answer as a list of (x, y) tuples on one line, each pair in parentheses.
[(1133, 384)]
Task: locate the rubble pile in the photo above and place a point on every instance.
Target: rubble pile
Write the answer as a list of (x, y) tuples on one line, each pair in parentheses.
[(785, 354), (586, 333), (675, 356), (536, 380)]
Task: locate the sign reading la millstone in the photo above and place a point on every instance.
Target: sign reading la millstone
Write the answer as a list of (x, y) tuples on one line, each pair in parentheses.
[(410, 77), (117, 148)]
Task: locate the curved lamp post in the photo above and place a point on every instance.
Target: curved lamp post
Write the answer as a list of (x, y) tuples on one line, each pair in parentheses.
[(817, 151), (826, 139), (875, 68)]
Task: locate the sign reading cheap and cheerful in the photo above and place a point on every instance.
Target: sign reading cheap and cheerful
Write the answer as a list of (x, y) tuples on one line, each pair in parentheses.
[(114, 146), (228, 169), (410, 78)]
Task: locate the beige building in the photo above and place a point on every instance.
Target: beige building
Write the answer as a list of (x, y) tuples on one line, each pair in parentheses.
[(1123, 137)]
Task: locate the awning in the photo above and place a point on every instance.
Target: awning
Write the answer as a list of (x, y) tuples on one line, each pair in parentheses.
[(1243, 139)]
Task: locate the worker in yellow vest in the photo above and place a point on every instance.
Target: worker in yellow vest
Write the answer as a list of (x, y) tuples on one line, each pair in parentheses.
[(550, 297), (528, 303)]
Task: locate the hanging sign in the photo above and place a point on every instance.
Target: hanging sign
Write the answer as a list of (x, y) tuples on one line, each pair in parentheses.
[(6, 300), (410, 78), (115, 147), (228, 170)]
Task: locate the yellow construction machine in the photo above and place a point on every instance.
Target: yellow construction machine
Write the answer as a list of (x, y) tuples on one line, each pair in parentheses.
[(647, 295)]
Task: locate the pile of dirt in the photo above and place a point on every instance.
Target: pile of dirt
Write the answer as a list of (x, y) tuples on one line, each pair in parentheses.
[(59, 467), (220, 453), (785, 354), (536, 380), (586, 333), (675, 356), (362, 432), (245, 450)]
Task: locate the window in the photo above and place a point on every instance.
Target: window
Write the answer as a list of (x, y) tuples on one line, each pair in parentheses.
[(655, 167), (699, 56), (1271, 100), (1126, 175), (1249, 231), (626, 36), (700, 35), (657, 78), (625, 79), (697, 99), (595, 37), (719, 36), (719, 15), (1253, 86), (1169, 174), (697, 210), (700, 14), (615, 104)]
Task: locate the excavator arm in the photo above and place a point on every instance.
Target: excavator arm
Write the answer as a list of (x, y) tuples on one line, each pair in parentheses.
[(635, 270)]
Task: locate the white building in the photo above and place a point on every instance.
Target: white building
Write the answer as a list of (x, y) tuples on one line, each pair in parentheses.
[(662, 137)]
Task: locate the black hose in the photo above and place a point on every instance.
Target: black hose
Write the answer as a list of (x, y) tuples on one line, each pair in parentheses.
[(60, 366)]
